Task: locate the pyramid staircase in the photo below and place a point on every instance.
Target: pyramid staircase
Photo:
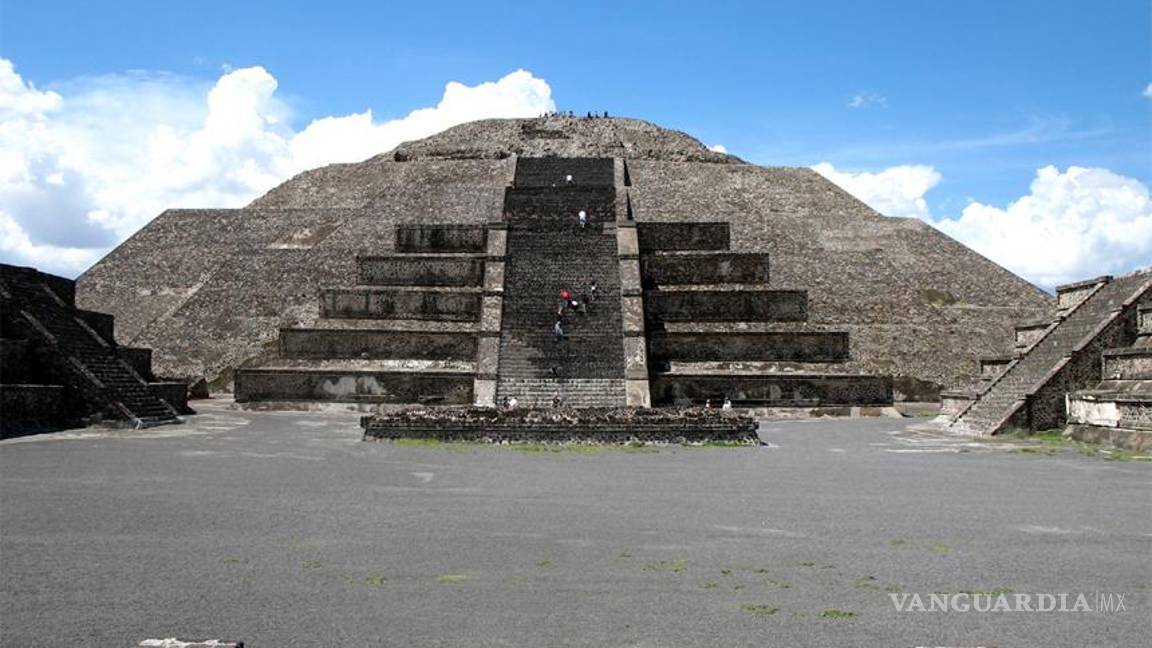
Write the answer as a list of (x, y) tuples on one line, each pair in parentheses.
[(547, 252), (1058, 357), (48, 341)]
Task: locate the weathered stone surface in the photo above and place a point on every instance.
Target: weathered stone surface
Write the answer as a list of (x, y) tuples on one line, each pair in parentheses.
[(391, 303), (209, 289), (797, 346), (772, 390), (562, 425), (726, 305), (354, 386), (705, 268), (420, 270), (372, 343)]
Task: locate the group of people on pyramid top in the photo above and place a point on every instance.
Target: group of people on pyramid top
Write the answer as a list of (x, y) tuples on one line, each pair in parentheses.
[(570, 304), (569, 113)]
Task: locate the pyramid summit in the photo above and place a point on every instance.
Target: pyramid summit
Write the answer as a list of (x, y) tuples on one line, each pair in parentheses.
[(432, 273)]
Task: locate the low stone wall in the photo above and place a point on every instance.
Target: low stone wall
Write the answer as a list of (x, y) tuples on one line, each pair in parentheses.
[(419, 270), (1128, 364), (448, 388), (1138, 440), (588, 425), (351, 343), (705, 268), (29, 408), (683, 236), (768, 345), (773, 390), (384, 303), (726, 305), (441, 238)]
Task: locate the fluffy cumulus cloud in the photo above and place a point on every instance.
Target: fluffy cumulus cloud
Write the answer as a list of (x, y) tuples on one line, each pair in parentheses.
[(719, 148), (1072, 224), (84, 167), (1148, 91), (895, 191)]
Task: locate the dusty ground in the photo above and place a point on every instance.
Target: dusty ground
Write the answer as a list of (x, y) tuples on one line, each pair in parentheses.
[(285, 529)]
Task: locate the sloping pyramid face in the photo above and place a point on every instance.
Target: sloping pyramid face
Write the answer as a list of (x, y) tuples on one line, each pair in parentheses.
[(210, 290)]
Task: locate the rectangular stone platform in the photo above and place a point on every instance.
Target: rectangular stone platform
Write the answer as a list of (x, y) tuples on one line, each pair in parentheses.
[(441, 238), (786, 346), (548, 425), (461, 305), (552, 172), (704, 268), (683, 236), (770, 390), (349, 386), (670, 305), (374, 343), (420, 270)]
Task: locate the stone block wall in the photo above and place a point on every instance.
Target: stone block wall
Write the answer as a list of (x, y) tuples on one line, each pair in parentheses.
[(790, 346), (657, 236), (708, 268), (726, 305), (440, 238), (377, 344), (441, 388), (778, 390), (420, 270), (387, 303)]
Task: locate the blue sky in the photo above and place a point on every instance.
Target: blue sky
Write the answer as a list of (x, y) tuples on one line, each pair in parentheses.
[(984, 93)]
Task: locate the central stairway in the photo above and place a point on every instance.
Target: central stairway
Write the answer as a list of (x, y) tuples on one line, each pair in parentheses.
[(549, 252)]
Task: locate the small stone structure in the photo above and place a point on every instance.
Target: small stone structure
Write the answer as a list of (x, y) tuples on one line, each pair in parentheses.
[(60, 365), (1089, 367), (563, 425)]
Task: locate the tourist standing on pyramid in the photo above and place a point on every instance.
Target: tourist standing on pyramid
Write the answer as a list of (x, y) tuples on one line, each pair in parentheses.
[(583, 217)]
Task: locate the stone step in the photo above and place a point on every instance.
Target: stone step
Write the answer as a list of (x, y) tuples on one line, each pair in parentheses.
[(704, 268), (777, 345), (780, 390), (371, 302), (373, 343), (420, 270), (725, 306), (352, 386)]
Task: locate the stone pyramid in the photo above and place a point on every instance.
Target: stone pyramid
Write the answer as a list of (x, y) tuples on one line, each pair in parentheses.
[(430, 273)]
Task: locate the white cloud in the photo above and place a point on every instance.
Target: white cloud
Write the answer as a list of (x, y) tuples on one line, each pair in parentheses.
[(83, 168), (1071, 225), (895, 191), (719, 148), (865, 99), (1148, 91)]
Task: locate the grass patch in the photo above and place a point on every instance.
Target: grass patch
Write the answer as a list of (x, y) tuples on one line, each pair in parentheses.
[(310, 564), (451, 578), (940, 549), (672, 566), (1053, 442), (808, 563), (709, 585), (725, 572), (544, 563), (436, 444), (836, 614), (870, 584), (582, 448), (759, 610), (375, 580), (897, 542)]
